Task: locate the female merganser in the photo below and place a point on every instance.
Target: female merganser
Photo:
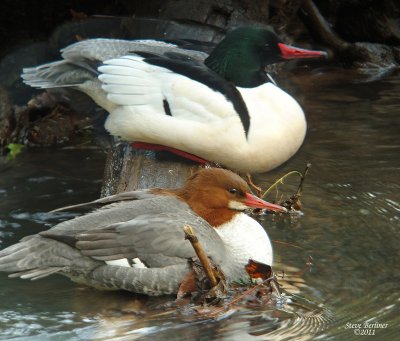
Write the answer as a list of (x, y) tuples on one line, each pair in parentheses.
[(145, 228), (220, 108)]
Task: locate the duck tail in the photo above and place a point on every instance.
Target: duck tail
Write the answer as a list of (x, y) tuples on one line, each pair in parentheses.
[(59, 74), (79, 63), (36, 257)]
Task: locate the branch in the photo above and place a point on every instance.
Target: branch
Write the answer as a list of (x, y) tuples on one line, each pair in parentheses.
[(189, 235), (321, 27)]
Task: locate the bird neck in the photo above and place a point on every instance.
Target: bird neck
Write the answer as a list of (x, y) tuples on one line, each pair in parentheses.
[(206, 207), (214, 216)]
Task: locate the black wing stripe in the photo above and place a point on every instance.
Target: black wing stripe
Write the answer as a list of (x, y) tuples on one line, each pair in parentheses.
[(167, 108)]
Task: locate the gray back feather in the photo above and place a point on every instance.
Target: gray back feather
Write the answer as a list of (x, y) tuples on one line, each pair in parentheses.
[(80, 62)]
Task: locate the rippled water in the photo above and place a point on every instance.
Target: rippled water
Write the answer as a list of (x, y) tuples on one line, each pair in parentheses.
[(340, 258)]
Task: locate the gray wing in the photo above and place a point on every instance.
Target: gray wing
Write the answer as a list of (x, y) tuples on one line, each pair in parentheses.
[(118, 230), (103, 49), (117, 209), (150, 229), (158, 240), (80, 61)]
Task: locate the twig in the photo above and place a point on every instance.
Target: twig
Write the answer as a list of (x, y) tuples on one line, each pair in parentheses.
[(294, 201), (303, 176), (189, 235), (275, 286), (280, 181)]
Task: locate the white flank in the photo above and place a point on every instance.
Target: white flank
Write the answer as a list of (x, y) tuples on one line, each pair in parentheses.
[(136, 263), (203, 122), (120, 262)]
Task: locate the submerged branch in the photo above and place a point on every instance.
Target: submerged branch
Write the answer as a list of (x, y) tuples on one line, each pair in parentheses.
[(271, 282)]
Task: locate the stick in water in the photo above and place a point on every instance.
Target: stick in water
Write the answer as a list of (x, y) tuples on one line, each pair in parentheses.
[(189, 235)]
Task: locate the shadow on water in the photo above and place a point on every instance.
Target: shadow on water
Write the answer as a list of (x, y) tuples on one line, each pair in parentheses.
[(340, 259)]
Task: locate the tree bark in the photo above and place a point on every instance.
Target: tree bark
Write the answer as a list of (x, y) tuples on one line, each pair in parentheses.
[(129, 169)]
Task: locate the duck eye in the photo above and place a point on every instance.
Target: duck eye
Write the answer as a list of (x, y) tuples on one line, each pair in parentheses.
[(233, 190)]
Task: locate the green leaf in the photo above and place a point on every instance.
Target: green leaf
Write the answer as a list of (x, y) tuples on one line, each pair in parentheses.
[(14, 150)]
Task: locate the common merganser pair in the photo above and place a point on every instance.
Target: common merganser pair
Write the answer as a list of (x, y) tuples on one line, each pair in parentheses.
[(219, 107), (136, 241)]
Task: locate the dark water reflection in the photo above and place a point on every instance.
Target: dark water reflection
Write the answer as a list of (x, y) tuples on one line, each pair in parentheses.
[(350, 228)]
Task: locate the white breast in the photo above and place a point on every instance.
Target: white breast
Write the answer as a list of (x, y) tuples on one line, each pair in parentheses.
[(246, 239)]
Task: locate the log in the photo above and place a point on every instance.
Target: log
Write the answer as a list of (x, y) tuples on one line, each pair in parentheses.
[(129, 169)]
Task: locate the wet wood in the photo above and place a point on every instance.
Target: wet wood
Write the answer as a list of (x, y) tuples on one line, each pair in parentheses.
[(356, 53), (45, 121), (6, 117), (129, 169), (322, 28)]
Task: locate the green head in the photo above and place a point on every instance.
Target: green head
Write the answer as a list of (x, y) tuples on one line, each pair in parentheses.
[(242, 55)]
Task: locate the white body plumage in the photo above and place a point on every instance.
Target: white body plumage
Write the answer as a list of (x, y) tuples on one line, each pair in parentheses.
[(203, 121)]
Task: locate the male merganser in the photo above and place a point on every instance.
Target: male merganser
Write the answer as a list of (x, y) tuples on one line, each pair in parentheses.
[(145, 227), (221, 108)]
